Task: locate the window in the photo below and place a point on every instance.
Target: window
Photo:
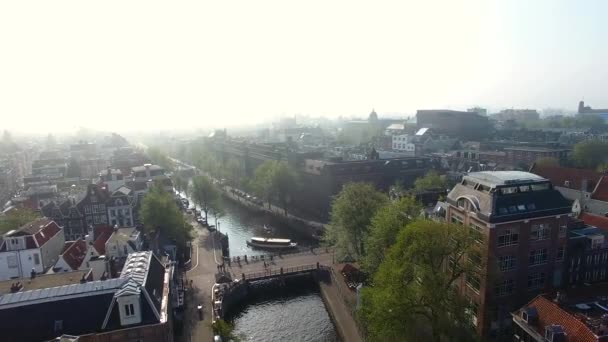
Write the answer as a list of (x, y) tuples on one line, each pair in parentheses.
[(58, 326), (507, 262), (457, 219), (11, 260), (508, 191), (129, 310), (475, 258), (538, 257), (504, 288), (539, 187), (477, 232), (508, 237), (536, 280), (503, 211), (597, 243), (512, 209), (113, 212), (473, 282), (563, 229), (531, 206), (560, 254), (87, 209), (524, 188), (521, 207), (124, 249), (37, 259), (540, 231)]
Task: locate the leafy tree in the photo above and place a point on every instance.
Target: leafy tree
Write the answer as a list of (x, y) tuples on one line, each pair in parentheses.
[(180, 184), (226, 331), (262, 181), (73, 169), (385, 226), (432, 180), (16, 218), (351, 214), (158, 157), (284, 183), (160, 213), (415, 294), (205, 194), (590, 154), (234, 171)]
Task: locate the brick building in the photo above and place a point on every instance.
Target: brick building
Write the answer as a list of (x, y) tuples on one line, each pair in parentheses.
[(521, 225)]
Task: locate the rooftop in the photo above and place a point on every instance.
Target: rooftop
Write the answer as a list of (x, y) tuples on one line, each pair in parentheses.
[(580, 320), (504, 177), (536, 149), (146, 167), (59, 291), (44, 281)]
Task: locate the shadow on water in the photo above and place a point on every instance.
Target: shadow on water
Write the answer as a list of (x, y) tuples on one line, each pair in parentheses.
[(289, 311)]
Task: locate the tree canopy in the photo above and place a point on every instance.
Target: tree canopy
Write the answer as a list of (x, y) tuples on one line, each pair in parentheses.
[(16, 218), (351, 214), (205, 194), (590, 154), (276, 179), (432, 180), (414, 296), (384, 229), (159, 212), (158, 157)]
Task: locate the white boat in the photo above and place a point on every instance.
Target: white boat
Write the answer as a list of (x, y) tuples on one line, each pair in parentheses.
[(271, 243)]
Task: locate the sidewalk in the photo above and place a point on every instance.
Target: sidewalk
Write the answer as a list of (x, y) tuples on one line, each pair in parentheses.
[(345, 323)]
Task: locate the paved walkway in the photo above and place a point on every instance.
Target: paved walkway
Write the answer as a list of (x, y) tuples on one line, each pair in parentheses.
[(344, 321)]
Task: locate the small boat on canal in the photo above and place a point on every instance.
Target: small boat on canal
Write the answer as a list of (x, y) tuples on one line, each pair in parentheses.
[(271, 243)]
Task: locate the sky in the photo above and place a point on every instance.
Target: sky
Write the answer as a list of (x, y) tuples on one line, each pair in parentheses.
[(151, 65)]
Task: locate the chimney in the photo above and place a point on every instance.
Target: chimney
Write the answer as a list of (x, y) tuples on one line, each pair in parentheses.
[(584, 184), (15, 287), (83, 279), (33, 273)]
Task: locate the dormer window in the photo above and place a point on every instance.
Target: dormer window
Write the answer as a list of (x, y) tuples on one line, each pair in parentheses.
[(129, 310)]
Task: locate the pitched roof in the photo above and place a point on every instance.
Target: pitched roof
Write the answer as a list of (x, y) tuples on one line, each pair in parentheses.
[(575, 177), (550, 312), (595, 220), (75, 254), (37, 232), (601, 190), (100, 242)]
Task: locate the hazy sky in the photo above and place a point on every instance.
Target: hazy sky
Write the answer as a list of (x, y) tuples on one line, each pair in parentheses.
[(162, 64)]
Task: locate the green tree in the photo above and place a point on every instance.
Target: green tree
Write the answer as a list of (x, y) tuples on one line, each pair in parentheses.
[(158, 157), (351, 214), (180, 183), (262, 181), (73, 169), (384, 229), (432, 180), (415, 294), (205, 194), (285, 182), (160, 213), (16, 218), (226, 331), (590, 154), (234, 172)]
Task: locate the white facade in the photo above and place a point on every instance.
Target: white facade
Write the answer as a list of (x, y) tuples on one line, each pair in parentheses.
[(118, 245), (19, 264), (121, 216), (129, 308), (402, 143)]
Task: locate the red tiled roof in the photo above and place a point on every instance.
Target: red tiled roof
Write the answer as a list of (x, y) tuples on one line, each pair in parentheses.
[(100, 242), (40, 231), (67, 245), (74, 255), (559, 175), (551, 313), (601, 190), (595, 220)]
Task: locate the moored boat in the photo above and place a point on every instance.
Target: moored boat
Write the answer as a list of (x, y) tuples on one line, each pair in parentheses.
[(271, 243)]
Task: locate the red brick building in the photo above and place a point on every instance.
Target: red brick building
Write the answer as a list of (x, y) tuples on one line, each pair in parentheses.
[(520, 223)]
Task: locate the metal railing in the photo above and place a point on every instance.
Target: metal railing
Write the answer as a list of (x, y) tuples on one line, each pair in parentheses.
[(275, 272), (277, 256)]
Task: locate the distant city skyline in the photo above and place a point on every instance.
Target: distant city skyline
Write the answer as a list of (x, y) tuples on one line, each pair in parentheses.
[(152, 65)]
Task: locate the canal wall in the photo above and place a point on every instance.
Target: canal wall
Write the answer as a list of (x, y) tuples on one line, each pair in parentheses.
[(298, 224)]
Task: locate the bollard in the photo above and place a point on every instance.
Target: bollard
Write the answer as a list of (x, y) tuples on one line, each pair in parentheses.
[(281, 270), (246, 258), (317, 265)]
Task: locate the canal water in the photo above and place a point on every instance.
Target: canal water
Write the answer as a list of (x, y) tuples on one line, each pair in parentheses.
[(289, 313), (242, 224), (292, 312)]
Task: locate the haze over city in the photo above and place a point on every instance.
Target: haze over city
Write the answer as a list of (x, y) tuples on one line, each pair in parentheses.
[(158, 65)]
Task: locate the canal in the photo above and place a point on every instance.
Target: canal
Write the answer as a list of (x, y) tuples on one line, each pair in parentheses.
[(291, 313)]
